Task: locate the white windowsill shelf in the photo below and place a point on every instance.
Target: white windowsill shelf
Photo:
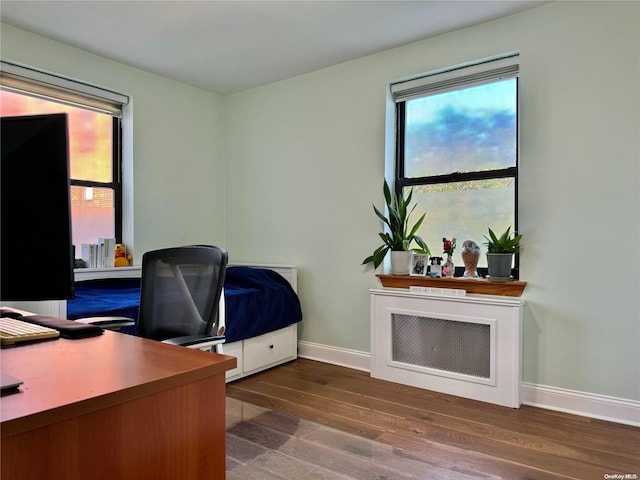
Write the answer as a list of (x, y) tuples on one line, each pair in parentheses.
[(82, 274)]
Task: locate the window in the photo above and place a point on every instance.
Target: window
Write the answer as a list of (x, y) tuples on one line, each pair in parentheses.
[(457, 147), (94, 122)]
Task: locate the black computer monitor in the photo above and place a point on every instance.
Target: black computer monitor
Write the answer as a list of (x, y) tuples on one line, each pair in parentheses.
[(36, 251)]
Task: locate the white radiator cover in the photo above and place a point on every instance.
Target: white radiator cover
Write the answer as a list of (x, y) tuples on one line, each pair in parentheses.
[(466, 346)]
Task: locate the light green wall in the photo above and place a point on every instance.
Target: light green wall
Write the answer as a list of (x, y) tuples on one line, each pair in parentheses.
[(305, 159), (177, 142), (287, 173)]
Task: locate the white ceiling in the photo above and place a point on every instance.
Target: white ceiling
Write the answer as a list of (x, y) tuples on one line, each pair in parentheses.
[(230, 46)]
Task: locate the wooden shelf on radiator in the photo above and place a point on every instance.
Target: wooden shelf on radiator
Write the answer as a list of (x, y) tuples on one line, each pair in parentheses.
[(479, 285)]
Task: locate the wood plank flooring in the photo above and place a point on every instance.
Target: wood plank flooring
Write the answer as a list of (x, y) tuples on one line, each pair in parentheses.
[(264, 444), (526, 443)]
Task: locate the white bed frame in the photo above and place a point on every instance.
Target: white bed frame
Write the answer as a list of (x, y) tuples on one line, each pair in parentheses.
[(265, 351), (253, 354)]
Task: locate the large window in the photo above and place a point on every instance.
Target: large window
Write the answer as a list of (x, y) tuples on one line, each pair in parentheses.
[(94, 145), (457, 147)]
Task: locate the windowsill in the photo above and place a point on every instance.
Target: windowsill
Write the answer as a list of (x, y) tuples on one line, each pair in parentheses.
[(82, 274), (470, 285)]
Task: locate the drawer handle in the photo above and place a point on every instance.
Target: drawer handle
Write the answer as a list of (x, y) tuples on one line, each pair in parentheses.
[(271, 346)]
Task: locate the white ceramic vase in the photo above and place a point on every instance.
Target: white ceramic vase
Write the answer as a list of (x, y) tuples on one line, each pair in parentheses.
[(400, 261)]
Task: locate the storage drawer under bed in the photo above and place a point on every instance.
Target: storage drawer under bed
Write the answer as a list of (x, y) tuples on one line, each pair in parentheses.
[(264, 351)]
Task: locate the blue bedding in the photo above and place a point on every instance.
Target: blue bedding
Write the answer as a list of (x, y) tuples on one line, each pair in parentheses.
[(105, 298), (258, 301)]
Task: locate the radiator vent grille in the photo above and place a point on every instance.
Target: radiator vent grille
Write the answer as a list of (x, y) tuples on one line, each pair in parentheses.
[(452, 346)]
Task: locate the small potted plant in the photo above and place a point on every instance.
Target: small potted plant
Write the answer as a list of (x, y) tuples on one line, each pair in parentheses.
[(400, 235), (500, 252)]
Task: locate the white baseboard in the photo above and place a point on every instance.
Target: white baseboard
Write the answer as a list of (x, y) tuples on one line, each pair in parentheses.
[(591, 405), (335, 355)]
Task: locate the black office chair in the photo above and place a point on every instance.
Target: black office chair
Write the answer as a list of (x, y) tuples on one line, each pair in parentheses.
[(181, 297)]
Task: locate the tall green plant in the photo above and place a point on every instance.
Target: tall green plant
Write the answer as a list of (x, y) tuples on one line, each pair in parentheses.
[(502, 244), (399, 235)]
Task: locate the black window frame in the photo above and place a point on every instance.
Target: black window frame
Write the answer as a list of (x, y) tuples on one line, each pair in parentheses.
[(30, 81), (116, 177), (401, 181)]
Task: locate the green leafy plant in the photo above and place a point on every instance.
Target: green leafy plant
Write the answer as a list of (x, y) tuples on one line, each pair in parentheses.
[(505, 243), (399, 235)]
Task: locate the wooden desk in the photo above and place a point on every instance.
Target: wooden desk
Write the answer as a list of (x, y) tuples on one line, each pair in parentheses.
[(113, 407)]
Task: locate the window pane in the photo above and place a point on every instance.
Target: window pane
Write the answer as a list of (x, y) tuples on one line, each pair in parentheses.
[(464, 210), (89, 133), (90, 152), (471, 129), (92, 215)]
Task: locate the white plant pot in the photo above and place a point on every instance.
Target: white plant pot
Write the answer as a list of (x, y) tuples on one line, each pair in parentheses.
[(400, 262)]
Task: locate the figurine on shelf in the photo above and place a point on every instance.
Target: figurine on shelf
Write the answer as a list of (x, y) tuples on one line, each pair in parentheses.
[(435, 266), (448, 269), (122, 258), (470, 255)]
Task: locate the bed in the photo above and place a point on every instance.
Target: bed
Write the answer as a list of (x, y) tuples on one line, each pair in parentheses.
[(262, 312)]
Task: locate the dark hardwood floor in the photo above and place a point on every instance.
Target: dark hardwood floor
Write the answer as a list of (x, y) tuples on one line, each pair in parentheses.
[(525, 443)]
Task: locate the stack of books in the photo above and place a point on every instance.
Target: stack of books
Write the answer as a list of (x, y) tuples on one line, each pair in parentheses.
[(99, 255)]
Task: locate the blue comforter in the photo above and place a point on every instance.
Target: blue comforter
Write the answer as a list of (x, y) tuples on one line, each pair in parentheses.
[(258, 301)]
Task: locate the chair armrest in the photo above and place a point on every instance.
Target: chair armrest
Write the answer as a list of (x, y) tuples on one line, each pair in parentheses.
[(196, 341), (110, 323), (222, 315)]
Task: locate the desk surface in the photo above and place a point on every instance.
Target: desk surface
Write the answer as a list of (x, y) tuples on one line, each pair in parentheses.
[(66, 378)]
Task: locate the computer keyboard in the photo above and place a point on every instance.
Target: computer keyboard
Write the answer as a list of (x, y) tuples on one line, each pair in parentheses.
[(13, 330)]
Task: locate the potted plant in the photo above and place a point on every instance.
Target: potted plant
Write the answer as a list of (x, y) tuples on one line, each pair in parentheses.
[(399, 236), (500, 252)]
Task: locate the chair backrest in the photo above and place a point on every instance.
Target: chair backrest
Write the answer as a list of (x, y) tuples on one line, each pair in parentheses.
[(180, 291)]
